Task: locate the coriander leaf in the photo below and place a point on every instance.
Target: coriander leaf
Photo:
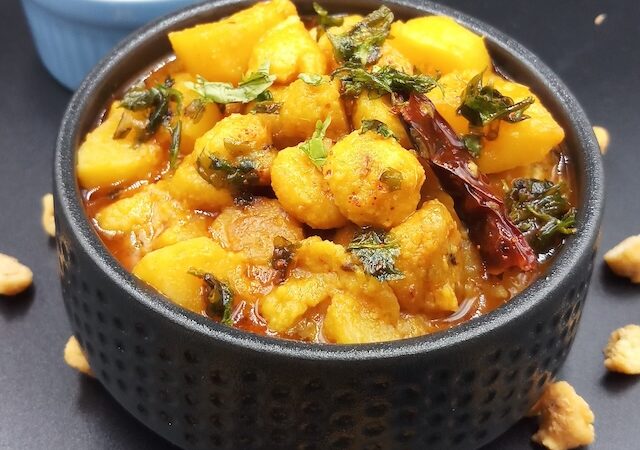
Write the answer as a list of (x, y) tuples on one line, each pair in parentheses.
[(311, 78), (224, 175), (501, 244), (268, 107), (361, 44), (156, 99), (265, 96), (324, 19), (195, 110), (283, 252), (174, 148), (378, 127), (392, 178), (127, 123), (248, 89), (541, 210), (482, 105), (314, 147), (381, 81), (377, 252), (218, 296), (473, 144)]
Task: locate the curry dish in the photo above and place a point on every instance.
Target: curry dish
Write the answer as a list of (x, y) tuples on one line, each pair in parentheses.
[(341, 179)]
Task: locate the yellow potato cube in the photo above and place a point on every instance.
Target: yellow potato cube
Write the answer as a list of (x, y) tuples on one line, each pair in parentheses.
[(303, 191), (325, 44), (373, 179), (517, 144), (151, 209), (103, 161), (193, 129), (391, 56), (289, 50), (188, 186), (288, 303), (303, 105), (220, 51), (185, 229), (167, 270), (352, 321), (379, 108), (439, 44)]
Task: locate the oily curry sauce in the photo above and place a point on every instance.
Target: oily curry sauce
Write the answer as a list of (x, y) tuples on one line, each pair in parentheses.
[(318, 196)]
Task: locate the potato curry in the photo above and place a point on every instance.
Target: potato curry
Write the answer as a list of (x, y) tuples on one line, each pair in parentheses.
[(336, 178)]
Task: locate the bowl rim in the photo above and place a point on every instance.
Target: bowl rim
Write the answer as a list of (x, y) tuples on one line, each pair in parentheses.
[(569, 263)]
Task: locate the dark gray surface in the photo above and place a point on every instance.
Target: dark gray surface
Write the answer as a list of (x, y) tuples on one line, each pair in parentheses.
[(43, 404)]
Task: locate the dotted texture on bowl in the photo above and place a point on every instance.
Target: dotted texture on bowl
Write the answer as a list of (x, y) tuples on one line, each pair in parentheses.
[(202, 394)]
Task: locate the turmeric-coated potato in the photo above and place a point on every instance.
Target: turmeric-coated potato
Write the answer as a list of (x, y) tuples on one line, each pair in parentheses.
[(344, 235), (151, 209), (220, 51), (325, 44), (303, 105), (321, 271), (187, 185), (518, 143), (103, 160), (379, 108), (289, 50), (194, 226), (352, 320), (391, 56), (439, 44), (148, 220), (374, 180), (239, 139), (167, 270), (287, 304), (303, 191), (428, 241), (193, 128), (251, 229)]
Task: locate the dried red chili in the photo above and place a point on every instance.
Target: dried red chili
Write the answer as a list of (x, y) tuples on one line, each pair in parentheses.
[(501, 244)]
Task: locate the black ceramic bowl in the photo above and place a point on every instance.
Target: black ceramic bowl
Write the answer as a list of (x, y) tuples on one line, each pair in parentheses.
[(203, 385)]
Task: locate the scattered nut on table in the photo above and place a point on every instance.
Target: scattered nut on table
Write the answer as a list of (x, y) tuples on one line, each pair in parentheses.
[(622, 353), (15, 277), (624, 258), (75, 358), (48, 222), (600, 18), (566, 421), (602, 135)]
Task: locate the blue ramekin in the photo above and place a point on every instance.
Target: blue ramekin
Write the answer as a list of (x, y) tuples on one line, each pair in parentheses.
[(71, 36)]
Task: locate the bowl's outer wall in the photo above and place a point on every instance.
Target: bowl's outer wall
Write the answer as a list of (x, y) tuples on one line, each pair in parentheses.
[(202, 385)]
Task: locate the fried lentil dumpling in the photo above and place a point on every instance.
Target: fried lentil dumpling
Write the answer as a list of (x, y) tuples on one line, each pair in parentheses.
[(374, 180), (303, 191)]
